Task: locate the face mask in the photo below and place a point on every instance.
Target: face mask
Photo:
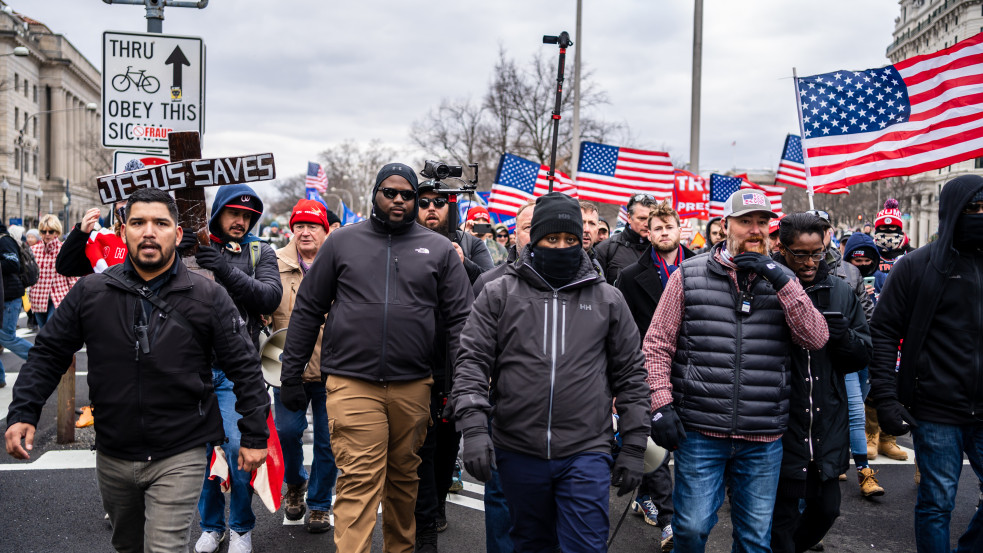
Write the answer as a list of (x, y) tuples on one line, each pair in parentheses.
[(557, 265), (969, 229), (888, 241), (867, 270)]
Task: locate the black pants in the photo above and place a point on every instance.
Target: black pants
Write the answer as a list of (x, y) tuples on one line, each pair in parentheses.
[(658, 485), (796, 531), (437, 457)]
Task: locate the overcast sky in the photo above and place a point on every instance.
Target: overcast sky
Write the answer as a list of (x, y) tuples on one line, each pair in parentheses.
[(296, 76)]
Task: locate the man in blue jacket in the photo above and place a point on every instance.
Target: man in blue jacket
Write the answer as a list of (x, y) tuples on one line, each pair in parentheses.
[(248, 270)]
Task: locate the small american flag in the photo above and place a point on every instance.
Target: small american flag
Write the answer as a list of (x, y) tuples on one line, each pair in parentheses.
[(792, 170), (519, 180), (316, 178), (623, 216), (722, 186), (923, 113), (609, 174)]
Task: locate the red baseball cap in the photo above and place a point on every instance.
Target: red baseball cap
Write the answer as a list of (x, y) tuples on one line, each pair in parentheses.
[(309, 211), (478, 210)]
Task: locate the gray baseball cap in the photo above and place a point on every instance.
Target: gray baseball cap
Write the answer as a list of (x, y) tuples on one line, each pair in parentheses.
[(747, 201)]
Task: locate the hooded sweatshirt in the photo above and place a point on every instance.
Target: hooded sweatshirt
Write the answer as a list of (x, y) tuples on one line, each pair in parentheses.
[(931, 306), (860, 240), (255, 290)]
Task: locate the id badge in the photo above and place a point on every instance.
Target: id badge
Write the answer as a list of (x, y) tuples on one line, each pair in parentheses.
[(744, 303)]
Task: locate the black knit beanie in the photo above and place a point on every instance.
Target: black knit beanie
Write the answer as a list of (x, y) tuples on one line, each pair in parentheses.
[(556, 212), (391, 169)]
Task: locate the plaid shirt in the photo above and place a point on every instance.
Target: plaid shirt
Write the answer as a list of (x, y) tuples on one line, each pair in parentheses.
[(50, 284), (807, 325)]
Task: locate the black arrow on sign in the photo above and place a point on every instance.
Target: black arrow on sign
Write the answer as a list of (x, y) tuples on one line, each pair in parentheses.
[(178, 59)]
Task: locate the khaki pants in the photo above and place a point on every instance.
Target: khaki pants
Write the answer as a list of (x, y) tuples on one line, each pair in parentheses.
[(376, 430), (150, 504)]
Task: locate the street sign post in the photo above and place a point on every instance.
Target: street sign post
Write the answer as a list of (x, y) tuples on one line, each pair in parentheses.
[(152, 85)]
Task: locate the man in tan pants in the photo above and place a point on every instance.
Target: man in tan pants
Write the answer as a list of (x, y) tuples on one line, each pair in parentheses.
[(382, 283)]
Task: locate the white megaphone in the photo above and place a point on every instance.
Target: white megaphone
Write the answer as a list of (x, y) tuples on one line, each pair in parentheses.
[(271, 355), (654, 455)]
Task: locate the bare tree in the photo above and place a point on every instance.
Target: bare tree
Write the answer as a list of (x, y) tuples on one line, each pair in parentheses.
[(861, 204), (352, 166)]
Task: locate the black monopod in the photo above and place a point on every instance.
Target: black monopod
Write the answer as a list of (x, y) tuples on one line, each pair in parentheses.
[(564, 42)]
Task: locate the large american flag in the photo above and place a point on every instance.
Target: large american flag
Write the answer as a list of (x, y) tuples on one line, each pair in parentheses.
[(519, 180), (316, 178), (923, 113), (722, 186), (792, 168), (610, 174)]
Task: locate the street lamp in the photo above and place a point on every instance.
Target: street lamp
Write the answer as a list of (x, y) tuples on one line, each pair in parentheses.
[(21, 142), (20, 52)]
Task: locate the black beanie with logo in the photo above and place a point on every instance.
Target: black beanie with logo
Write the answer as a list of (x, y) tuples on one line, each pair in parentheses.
[(556, 212)]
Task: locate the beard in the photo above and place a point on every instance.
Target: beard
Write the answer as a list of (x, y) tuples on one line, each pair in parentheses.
[(440, 227), (155, 263), (668, 248), (736, 247)]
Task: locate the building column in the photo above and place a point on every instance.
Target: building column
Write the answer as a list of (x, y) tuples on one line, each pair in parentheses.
[(923, 224)]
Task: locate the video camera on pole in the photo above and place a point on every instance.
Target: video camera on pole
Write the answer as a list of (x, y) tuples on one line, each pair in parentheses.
[(439, 171)]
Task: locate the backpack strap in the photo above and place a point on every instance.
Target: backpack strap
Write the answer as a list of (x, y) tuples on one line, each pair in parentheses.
[(158, 302), (254, 253)]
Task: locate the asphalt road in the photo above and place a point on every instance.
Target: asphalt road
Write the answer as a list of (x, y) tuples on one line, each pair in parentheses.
[(52, 504)]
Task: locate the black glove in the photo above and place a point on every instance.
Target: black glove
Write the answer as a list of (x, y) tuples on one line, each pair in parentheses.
[(292, 395), (190, 240), (627, 471), (667, 429), (211, 258), (894, 418), (479, 454), (838, 326), (764, 266)]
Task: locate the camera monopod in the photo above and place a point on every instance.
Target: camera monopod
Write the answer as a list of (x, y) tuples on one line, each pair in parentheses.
[(564, 42)]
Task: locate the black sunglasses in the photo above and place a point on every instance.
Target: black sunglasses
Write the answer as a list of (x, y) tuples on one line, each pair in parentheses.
[(819, 213), (390, 193), (437, 202)]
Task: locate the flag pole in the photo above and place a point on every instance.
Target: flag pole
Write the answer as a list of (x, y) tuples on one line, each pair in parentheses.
[(802, 134)]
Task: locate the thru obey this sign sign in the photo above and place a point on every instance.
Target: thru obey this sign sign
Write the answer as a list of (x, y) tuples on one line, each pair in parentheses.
[(152, 85), (192, 173)]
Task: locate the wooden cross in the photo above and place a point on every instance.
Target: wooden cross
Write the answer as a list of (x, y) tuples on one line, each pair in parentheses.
[(187, 175)]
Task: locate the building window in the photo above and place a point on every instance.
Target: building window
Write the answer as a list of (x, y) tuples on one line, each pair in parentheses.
[(16, 158), (35, 164), (16, 81), (16, 118), (978, 163), (35, 125), (35, 89), (25, 88)]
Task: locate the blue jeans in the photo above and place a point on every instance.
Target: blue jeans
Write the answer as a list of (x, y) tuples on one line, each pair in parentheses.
[(290, 426), (704, 466), (554, 501), (497, 517), (939, 449), (42, 318), (8, 333), (211, 504), (856, 391)]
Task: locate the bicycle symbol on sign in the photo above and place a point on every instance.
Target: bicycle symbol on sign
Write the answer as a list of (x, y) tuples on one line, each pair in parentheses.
[(139, 79)]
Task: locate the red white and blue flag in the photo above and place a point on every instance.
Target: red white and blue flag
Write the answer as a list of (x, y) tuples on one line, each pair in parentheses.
[(792, 169), (722, 186), (920, 114), (316, 178), (612, 175), (623, 216), (519, 180)]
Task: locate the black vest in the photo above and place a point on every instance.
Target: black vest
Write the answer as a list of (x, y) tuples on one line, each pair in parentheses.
[(729, 374)]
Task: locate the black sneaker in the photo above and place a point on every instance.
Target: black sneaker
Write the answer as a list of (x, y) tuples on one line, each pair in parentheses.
[(441, 523), (426, 539)]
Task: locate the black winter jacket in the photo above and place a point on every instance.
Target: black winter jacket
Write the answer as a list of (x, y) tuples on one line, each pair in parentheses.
[(477, 259), (619, 251), (71, 260), (150, 405), (933, 301), (851, 275), (555, 359), (641, 285), (819, 423), (384, 291), (13, 288)]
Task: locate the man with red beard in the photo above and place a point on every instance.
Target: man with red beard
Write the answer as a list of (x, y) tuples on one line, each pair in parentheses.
[(642, 284), (716, 355)]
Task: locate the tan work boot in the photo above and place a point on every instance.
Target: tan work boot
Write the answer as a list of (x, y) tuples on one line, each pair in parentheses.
[(918, 474), (294, 505), (872, 429), (868, 483), (888, 446)]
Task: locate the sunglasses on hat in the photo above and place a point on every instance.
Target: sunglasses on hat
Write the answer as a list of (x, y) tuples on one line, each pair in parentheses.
[(437, 202), (819, 213), (390, 193)]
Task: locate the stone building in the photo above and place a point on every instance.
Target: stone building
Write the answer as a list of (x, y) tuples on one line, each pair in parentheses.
[(49, 108), (923, 27)]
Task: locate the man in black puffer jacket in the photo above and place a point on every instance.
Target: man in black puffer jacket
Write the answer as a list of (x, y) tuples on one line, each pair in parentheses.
[(150, 379), (13, 291), (385, 282), (624, 248), (932, 307), (816, 446), (552, 389)]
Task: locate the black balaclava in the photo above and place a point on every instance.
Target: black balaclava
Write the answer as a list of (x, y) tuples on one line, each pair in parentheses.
[(381, 220), (556, 212), (969, 227)]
